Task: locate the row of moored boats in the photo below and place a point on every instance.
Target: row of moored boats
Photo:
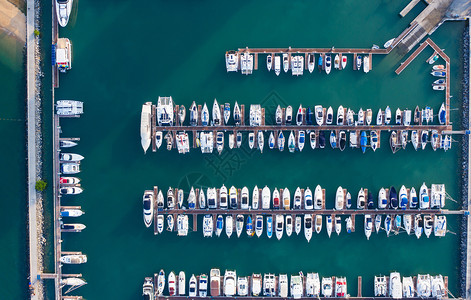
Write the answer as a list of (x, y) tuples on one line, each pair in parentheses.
[(423, 286)]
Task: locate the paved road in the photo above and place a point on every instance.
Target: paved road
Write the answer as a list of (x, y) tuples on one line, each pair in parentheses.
[(31, 84)]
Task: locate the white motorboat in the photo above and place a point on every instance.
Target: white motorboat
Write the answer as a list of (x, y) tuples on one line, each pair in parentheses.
[(278, 115), (408, 290), (389, 43), (239, 224), (259, 225), (328, 63), (230, 283), (256, 284), (269, 226), (289, 225), (407, 223), (255, 115), (344, 61), (300, 116), (73, 259), (319, 113), (313, 285), (349, 200), (387, 224), (318, 197), (424, 197), (266, 198), (63, 9), (341, 287), (145, 125), (279, 226), (339, 198), (217, 118), (424, 286), (219, 141), (361, 117), (328, 221), (181, 283), (291, 142), (368, 226), (203, 285), (296, 288), (318, 223), (277, 65), (308, 227), (182, 225), (285, 62), (165, 111), (172, 284), (232, 61), (361, 200), (395, 285), (193, 286), (148, 207), (338, 224), (251, 140), (158, 139), (170, 223), (244, 198), (208, 226), (219, 225), (215, 284), (255, 197), (381, 287), (378, 223), (349, 224), (311, 62), (271, 141), (297, 224), (369, 116), (350, 120), (281, 141), (69, 107), (269, 283), (382, 200), (438, 196), (366, 64), (340, 115), (358, 62), (428, 225), (337, 62), (329, 118), (260, 141), (229, 225), (289, 114), (193, 114), (313, 139), (387, 115), (160, 282), (269, 62), (70, 190), (379, 117), (72, 281), (301, 139), (327, 286), (242, 286), (233, 198), (182, 114), (231, 140), (67, 144), (308, 203), (374, 140), (418, 226), (147, 289)]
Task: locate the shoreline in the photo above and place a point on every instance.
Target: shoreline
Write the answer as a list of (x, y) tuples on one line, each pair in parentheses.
[(12, 20)]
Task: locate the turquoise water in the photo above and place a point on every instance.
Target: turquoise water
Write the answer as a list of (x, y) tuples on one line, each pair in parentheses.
[(177, 49)]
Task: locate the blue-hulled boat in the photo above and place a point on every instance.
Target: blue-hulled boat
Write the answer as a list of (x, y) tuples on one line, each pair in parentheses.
[(371, 204), (249, 226), (398, 221), (333, 140), (439, 73), (269, 226), (321, 140), (393, 198), (219, 225), (320, 63), (363, 141), (387, 224), (403, 197), (309, 114)]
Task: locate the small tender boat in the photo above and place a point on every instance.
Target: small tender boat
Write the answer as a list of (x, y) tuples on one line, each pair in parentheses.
[(285, 62), (229, 226), (308, 227), (340, 115), (281, 141), (313, 139), (387, 115), (301, 139), (289, 114), (328, 63), (311, 62), (319, 113), (333, 140), (269, 62), (271, 141), (277, 65)]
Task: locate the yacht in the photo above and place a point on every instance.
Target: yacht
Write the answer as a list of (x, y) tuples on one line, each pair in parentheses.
[(281, 141), (170, 199), (271, 141), (146, 125), (297, 224), (366, 64), (338, 224), (67, 144), (297, 199), (313, 139), (361, 199), (244, 198), (349, 200), (203, 285), (408, 223), (206, 142), (301, 139), (368, 226), (333, 140), (313, 285), (211, 201), (424, 139), (424, 197), (300, 116), (269, 226), (442, 114), (255, 197), (233, 197), (318, 223), (319, 113), (229, 226), (387, 116), (160, 282), (256, 284), (259, 225), (328, 221), (148, 289), (72, 281), (215, 282), (182, 225), (73, 259), (237, 115), (283, 285), (369, 116), (374, 140), (172, 284), (308, 204), (327, 286), (339, 198), (308, 227), (428, 225), (311, 62), (278, 115), (192, 286), (387, 224), (227, 112), (438, 196), (231, 140), (318, 197), (394, 203), (69, 107), (328, 63), (423, 286), (63, 9), (70, 190), (289, 114), (418, 226), (183, 143), (208, 226), (219, 225), (381, 287), (403, 197), (276, 198), (219, 141), (279, 224), (361, 117), (378, 223), (242, 286), (285, 62), (341, 287), (439, 225), (255, 115), (160, 201), (269, 283), (266, 198), (193, 114), (329, 116), (232, 61), (239, 224), (395, 285), (158, 139), (336, 61), (379, 117), (74, 227), (277, 65), (289, 225), (170, 223), (230, 283), (269, 62), (297, 290), (350, 120), (414, 137), (148, 207), (340, 115), (408, 290), (438, 287)]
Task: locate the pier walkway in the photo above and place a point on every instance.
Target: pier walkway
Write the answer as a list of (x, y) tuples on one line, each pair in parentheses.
[(34, 267), (468, 235)]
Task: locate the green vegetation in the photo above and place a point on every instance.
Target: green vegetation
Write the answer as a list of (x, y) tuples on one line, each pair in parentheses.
[(36, 32), (41, 185)]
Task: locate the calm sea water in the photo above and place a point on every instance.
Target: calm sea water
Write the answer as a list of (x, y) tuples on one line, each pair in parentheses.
[(125, 55)]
